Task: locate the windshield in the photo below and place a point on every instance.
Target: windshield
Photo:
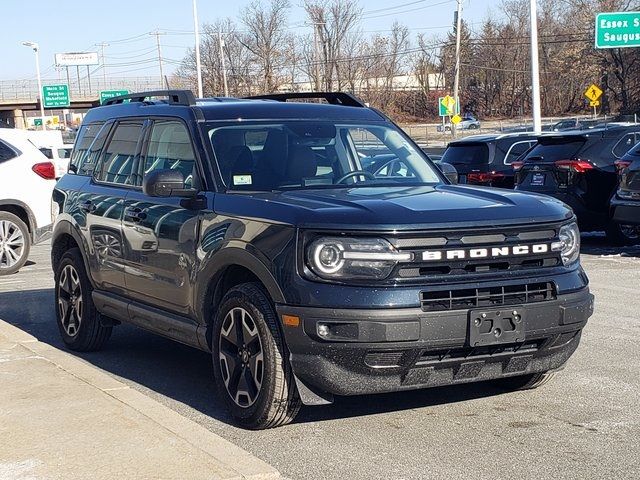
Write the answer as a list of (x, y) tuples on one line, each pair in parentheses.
[(301, 155)]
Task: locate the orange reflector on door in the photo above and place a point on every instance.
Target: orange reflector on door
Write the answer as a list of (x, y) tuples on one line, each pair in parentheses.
[(291, 320)]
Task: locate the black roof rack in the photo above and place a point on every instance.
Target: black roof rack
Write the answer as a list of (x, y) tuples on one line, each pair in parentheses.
[(174, 97), (334, 98)]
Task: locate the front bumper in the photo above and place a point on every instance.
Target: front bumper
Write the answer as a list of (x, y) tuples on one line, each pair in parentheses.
[(625, 212), (384, 350)]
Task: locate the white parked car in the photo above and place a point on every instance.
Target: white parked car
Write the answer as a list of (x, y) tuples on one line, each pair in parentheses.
[(27, 179), (60, 156)]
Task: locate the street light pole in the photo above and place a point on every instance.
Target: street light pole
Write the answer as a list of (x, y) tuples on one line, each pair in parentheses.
[(535, 70), (197, 49), (36, 49)]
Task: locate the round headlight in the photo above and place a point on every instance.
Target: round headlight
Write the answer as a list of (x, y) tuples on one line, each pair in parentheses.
[(328, 257), (570, 243)]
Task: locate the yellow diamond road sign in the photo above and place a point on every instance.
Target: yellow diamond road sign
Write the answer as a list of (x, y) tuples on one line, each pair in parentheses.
[(593, 93), (449, 102), (456, 119)]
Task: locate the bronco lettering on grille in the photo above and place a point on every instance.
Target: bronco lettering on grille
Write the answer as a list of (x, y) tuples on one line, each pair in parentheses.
[(488, 252)]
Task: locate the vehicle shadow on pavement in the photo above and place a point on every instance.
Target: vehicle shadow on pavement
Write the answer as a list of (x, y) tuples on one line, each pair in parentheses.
[(593, 244), (184, 374)]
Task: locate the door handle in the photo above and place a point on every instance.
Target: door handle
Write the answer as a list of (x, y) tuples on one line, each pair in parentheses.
[(135, 214), (88, 206)]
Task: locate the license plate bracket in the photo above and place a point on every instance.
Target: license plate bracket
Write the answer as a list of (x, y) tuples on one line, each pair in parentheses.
[(537, 180), (494, 327)]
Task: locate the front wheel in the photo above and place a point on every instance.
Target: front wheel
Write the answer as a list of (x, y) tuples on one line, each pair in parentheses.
[(250, 360)]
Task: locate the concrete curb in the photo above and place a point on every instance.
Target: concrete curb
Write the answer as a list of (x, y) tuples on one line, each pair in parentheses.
[(235, 462)]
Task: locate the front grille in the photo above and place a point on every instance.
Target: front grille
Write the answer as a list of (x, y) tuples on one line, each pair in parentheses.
[(433, 301), (432, 271)]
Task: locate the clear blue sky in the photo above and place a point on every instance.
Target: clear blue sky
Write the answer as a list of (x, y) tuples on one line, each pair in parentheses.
[(68, 26)]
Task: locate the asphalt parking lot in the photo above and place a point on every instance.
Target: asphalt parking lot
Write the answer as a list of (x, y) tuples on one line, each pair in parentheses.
[(584, 424)]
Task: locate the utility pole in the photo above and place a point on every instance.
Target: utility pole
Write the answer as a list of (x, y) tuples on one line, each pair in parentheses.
[(104, 64), (456, 80), (224, 65), (157, 34), (196, 29), (535, 71), (316, 48)]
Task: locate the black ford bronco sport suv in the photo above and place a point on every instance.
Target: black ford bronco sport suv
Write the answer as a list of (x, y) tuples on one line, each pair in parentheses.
[(252, 229)]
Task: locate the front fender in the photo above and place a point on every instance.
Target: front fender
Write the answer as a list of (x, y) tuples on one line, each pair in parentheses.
[(234, 253)]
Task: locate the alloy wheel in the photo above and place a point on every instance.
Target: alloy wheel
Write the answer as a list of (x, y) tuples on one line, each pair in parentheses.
[(12, 244), (241, 357), (70, 300)]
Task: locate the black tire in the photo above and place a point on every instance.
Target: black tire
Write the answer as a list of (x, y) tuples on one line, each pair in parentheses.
[(253, 357), (623, 235), (523, 382), (76, 315), (15, 240)]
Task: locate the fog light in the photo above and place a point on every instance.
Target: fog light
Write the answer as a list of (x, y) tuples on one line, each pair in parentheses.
[(323, 330)]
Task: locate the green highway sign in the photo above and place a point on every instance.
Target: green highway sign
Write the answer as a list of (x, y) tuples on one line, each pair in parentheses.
[(618, 29), (37, 122), (55, 96), (107, 94)]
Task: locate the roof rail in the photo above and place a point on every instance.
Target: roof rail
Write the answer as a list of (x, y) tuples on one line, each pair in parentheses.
[(174, 97), (334, 98)]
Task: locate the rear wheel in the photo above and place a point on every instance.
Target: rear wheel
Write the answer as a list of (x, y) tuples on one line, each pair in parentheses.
[(620, 234), (250, 360), (78, 320), (15, 243), (523, 382)]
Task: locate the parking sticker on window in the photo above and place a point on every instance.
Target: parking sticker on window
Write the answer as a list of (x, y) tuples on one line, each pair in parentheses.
[(242, 180)]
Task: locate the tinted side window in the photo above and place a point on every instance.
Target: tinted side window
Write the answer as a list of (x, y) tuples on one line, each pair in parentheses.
[(170, 148), (6, 152), (118, 158), (85, 138)]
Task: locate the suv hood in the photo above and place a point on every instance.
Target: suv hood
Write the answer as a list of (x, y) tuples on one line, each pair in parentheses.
[(365, 208)]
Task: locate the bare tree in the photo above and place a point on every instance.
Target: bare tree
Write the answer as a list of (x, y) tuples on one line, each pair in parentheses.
[(334, 21), (266, 37)]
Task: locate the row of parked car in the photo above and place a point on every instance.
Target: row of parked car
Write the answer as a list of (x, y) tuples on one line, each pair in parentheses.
[(595, 171)]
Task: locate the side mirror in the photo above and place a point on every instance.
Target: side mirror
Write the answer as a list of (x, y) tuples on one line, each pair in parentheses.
[(166, 183), (449, 171)]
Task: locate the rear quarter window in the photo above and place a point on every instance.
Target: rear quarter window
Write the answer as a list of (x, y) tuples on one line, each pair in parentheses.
[(6, 152), (467, 153), (79, 154)]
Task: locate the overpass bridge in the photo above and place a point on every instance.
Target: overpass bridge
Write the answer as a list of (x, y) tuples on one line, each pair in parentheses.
[(20, 99)]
